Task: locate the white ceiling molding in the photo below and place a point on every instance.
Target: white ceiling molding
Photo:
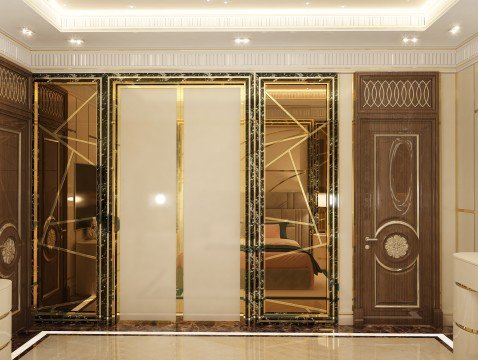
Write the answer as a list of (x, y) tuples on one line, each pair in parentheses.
[(15, 51), (217, 60), (240, 60), (467, 53), (251, 20)]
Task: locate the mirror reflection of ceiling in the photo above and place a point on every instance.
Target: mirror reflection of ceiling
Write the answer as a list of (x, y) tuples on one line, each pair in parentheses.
[(237, 4)]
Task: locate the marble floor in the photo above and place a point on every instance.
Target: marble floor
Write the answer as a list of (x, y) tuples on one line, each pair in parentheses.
[(212, 346)]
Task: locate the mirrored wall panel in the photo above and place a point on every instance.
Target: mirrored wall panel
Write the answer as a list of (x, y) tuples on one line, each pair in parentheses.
[(297, 228), (65, 201)]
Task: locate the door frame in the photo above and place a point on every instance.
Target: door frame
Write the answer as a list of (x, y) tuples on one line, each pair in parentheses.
[(407, 113)]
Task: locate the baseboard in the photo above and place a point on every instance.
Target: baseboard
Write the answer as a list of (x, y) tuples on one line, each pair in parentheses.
[(212, 317), (147, 317), (447, 319), (346, 319)]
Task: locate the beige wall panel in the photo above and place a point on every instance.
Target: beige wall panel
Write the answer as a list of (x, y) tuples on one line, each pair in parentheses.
[(447, 191), (147, 207), (346, 203), (465, 138), (466, 232), (212, 203)]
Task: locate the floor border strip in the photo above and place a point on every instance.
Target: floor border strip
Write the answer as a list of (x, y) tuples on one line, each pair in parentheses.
[(22, 350)]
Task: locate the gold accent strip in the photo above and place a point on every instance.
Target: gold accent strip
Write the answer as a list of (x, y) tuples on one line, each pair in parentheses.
[(288, 221), (285, 139), (35, 194), (75, 112), (308, 308), (465, 287), (77, 140), (467, 329), (65, 144), (4, 346), (68, 251), (295, 145), (466, 211), (287, 113), (4, 315), (179, 201)]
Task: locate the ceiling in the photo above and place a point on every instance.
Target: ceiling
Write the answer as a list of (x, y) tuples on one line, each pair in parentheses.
[(52, 31), (234, 4)]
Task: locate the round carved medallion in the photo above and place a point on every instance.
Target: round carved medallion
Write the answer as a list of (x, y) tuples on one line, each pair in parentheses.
[(9, 251), (396, 246)]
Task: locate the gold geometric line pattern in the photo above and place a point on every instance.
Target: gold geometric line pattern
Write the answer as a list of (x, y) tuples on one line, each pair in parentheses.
[(283, 181), (71, 221), (288, 221), (296, 251), (305, 307), (285, 139), (68, 251), (77, 140), (55, 136), (295, 145), (75, 112), (306, 200), (287, 113), (57, 197)]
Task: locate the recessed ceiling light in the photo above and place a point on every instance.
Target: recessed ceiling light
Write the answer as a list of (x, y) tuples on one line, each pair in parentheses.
[(406, 40), (455, 29), (27, 32), (307, 3), (242, 41), (343, 6), (76, 41), (131, 6)]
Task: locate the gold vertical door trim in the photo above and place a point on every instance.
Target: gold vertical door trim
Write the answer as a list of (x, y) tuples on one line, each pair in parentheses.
[(179, 203), (35, 196)]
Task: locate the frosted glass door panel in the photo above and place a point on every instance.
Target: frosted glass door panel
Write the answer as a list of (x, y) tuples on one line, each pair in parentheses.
[(212, 203), (147, 248)]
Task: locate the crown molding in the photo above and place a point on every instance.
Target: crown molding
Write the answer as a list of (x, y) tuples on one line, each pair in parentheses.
[(252, 60), (346, 60), (15, 51), (467, 54), (254, 20)]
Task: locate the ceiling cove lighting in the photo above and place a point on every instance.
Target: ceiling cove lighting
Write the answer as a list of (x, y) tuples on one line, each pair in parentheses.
[(27, 32), (455, 29), (76, 42), (242, 41)]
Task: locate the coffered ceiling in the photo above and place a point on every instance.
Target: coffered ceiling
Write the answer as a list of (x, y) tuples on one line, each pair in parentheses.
[(268, 24)]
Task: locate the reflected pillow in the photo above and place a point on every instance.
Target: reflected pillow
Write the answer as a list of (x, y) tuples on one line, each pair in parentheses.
[(275, 230)]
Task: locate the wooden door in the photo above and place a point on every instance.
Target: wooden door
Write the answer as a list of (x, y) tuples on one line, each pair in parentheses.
[(52, 196), (396, 199), (15, 196)]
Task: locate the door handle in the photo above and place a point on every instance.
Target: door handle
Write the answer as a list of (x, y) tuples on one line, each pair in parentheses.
[(370, 239)]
